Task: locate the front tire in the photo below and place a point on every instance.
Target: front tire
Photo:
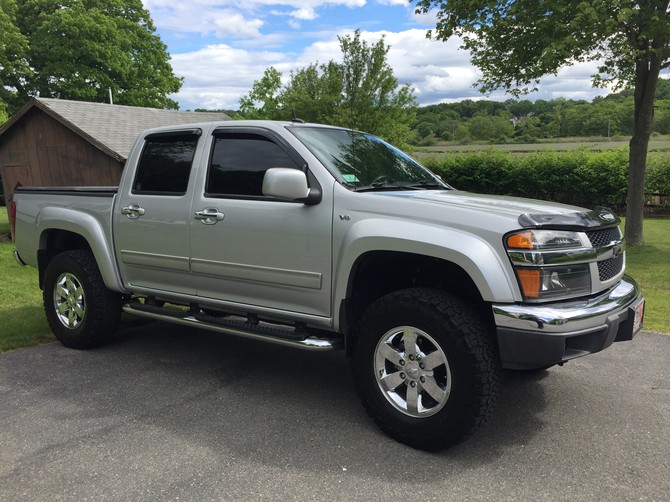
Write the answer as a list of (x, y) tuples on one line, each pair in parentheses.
[(426, 367), (80, 310)]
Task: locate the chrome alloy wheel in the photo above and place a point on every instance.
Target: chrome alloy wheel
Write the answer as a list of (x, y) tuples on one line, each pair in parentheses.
[(412, 371), (69, 301)]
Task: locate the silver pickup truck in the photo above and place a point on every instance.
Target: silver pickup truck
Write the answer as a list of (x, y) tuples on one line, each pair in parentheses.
[(324, 238)]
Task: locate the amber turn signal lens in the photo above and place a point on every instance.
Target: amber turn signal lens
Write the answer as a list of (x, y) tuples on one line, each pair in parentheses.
[(530, 282), (524, 240)]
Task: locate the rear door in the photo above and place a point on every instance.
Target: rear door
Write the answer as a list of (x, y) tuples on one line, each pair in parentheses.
[(256, 251), (152, 222)]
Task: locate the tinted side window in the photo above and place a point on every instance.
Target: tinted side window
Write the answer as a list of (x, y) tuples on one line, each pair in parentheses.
[(165, 164), (239, 162)]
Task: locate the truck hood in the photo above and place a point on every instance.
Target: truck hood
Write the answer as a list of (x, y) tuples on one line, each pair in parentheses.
[(524, 212)]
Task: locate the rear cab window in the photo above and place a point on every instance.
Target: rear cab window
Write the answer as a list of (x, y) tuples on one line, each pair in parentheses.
[(165, 165)]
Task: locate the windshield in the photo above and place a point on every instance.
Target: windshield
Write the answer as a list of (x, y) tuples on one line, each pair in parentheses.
[(362, 162)]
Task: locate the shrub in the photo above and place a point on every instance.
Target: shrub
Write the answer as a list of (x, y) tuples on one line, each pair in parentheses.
[(579, 177)]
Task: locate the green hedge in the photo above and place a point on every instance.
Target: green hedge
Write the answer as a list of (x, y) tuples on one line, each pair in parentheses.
[(580, 177)]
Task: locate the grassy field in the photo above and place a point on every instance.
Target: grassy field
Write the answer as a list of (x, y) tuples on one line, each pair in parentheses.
[(23, 322), (661, 143)]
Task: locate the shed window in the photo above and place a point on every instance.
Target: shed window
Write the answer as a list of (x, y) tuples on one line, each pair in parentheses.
[(165, 164)]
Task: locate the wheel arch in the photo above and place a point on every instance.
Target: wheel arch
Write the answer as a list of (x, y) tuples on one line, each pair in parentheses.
[(65, 230), (375, 274)]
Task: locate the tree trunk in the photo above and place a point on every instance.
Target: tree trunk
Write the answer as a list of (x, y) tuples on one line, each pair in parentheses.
[(647, 69)]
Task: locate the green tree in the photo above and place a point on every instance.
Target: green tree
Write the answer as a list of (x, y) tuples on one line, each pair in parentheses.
[(14, 67), (263, 101), (515, 43), (360, 92), (80, 49)]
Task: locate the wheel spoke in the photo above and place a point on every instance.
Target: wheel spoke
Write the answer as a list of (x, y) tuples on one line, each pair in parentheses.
[(409, 340), (70, 285), (392, 381), (434, 390), (389, 353), (71, 321), (61, 308), (412, 399), (79, 311), (61, 291), (433, 360)]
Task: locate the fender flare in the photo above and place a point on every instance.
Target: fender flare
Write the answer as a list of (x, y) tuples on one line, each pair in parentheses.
[(85, 225), (493, 277)]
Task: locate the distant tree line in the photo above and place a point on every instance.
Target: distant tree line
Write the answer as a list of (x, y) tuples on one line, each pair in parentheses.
[(527, 121)]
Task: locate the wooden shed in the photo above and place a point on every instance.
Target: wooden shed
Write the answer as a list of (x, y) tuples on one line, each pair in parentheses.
[(54, 142)]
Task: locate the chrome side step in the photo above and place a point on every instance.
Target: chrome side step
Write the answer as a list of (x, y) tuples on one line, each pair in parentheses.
[(297, 337)]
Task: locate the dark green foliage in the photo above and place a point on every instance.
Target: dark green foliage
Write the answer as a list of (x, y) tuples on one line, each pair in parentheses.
[(578, 177), (526, 122), (360, 92), (80, 50)]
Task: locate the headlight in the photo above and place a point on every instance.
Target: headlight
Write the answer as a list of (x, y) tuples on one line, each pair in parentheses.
[(543, 239), (550, 264)]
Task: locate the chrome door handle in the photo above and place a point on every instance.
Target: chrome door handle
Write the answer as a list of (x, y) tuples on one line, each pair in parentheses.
[(133, 211), (209, 216)]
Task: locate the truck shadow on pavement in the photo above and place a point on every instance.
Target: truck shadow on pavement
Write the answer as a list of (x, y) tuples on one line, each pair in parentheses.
[(289, 407), (195, 398)]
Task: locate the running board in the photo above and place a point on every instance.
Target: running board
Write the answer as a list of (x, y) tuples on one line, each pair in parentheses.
[(291, 337)]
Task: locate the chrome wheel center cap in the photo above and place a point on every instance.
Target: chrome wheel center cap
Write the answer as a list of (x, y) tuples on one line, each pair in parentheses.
[(413, 371)]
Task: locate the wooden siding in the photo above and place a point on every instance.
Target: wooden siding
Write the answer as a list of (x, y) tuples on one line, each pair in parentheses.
[(38, 150)]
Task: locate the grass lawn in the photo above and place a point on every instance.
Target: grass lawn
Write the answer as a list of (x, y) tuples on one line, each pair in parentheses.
[(650, 267), (23, 322)]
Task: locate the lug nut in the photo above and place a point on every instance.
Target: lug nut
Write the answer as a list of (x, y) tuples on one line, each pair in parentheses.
[(412, 384), (422, 366), (411, 357), (422, 379), (403, 376), (402, 362)]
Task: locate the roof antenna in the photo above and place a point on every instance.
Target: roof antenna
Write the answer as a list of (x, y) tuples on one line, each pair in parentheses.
[(295, 119)]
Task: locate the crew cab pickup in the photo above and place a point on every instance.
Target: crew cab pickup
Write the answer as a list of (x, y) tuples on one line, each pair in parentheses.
[(325, 238)]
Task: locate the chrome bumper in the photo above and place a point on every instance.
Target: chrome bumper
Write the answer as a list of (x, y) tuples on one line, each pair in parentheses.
[(533, 336)]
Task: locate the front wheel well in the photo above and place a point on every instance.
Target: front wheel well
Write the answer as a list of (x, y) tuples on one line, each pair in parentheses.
[(56, 241), (379, 273)]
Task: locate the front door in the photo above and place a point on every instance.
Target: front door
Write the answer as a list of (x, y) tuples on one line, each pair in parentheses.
[(252, 250)]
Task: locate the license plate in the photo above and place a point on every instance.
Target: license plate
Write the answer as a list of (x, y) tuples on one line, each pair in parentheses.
[(639, 316)]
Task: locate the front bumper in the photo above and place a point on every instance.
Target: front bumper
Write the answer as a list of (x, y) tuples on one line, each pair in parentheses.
[(537, 336)]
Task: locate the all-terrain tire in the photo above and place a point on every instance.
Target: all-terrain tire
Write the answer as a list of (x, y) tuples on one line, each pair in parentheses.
[(426, 367), (80, 310)]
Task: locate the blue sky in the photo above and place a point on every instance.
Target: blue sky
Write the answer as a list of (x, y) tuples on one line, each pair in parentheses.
[(221, 47)]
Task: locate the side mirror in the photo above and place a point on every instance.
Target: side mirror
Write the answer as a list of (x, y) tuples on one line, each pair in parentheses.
[(287, 184)]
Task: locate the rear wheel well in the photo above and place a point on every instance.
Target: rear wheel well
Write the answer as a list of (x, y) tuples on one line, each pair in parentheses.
[(55, 241), (379, 273)]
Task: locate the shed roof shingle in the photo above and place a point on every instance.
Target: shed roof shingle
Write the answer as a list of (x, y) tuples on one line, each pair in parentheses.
[(112, 128)]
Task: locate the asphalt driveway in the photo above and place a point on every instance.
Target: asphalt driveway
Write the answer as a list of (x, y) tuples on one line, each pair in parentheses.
[(167, 413)]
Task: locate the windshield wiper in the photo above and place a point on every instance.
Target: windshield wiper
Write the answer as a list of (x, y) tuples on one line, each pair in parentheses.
[(386, 185), (429, 185)]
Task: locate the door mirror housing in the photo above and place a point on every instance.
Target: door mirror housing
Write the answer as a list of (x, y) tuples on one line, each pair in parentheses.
[(289, 184)]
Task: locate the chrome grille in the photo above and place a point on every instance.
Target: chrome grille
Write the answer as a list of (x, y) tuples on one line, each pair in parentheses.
[(600, 238), (610, 268)]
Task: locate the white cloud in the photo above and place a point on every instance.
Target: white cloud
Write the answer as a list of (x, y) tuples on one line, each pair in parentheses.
[(230, 17), (304, 13), (218, 75)]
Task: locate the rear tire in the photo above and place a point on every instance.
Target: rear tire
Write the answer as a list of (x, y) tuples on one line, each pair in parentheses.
[(426, 367), (80, 310)]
